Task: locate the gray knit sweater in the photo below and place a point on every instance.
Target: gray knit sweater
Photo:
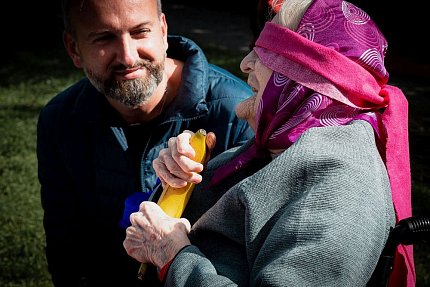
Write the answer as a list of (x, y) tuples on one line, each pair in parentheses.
[(317, 215)]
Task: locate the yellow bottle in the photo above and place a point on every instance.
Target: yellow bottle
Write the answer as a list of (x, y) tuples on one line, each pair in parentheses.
[(174, 200)]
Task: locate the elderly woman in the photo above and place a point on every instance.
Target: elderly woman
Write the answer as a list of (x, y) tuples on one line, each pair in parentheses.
[(309, 201)]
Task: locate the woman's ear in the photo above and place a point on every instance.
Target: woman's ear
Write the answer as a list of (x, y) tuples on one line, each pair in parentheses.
[(72, 49)]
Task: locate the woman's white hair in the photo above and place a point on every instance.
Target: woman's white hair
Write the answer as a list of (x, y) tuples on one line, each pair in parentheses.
[(291, 12)]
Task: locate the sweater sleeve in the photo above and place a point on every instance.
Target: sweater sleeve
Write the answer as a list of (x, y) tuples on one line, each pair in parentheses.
[(192, 268)]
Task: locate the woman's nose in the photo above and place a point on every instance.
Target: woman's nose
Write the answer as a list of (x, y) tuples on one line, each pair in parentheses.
[(248, 63)]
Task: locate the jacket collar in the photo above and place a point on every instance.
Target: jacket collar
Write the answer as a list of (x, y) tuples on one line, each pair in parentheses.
[(194, 84)]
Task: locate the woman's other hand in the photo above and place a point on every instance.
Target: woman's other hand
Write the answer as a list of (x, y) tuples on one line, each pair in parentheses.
[(174, 165)]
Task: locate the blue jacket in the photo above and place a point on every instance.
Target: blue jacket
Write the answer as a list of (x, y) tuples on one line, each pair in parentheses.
[(87, 168)]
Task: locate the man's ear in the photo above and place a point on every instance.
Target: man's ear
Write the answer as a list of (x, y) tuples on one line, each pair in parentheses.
[(164, 29), (72, 49)]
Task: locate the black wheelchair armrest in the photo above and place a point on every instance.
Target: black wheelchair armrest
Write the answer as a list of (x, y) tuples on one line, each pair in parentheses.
[(411, 230)]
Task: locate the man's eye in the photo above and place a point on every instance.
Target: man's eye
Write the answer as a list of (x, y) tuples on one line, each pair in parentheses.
[(102, 38), (141, 32)]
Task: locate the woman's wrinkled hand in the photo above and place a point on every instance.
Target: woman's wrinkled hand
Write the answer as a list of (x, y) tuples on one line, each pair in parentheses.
[(155, 237), (174, 165)]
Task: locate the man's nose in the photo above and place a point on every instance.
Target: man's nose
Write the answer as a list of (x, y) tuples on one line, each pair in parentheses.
[(128, 53)]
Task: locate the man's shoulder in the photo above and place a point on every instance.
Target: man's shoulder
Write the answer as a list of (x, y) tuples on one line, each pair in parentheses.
[(220, 81), (217, 71), (68, 97), (225, 83)]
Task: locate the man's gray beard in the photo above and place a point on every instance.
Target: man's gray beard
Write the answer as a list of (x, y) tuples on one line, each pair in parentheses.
[(130, 93)]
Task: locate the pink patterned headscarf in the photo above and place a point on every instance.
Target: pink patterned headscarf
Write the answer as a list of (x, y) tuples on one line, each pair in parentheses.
[(328, 73)]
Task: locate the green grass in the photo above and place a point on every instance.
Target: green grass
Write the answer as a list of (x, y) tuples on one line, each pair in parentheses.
[(27, 82)]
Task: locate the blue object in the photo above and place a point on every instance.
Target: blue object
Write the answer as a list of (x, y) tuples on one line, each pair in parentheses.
[(132, 203)]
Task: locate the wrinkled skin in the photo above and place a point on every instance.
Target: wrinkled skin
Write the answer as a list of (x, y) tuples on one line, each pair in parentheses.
[(155, 237)]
